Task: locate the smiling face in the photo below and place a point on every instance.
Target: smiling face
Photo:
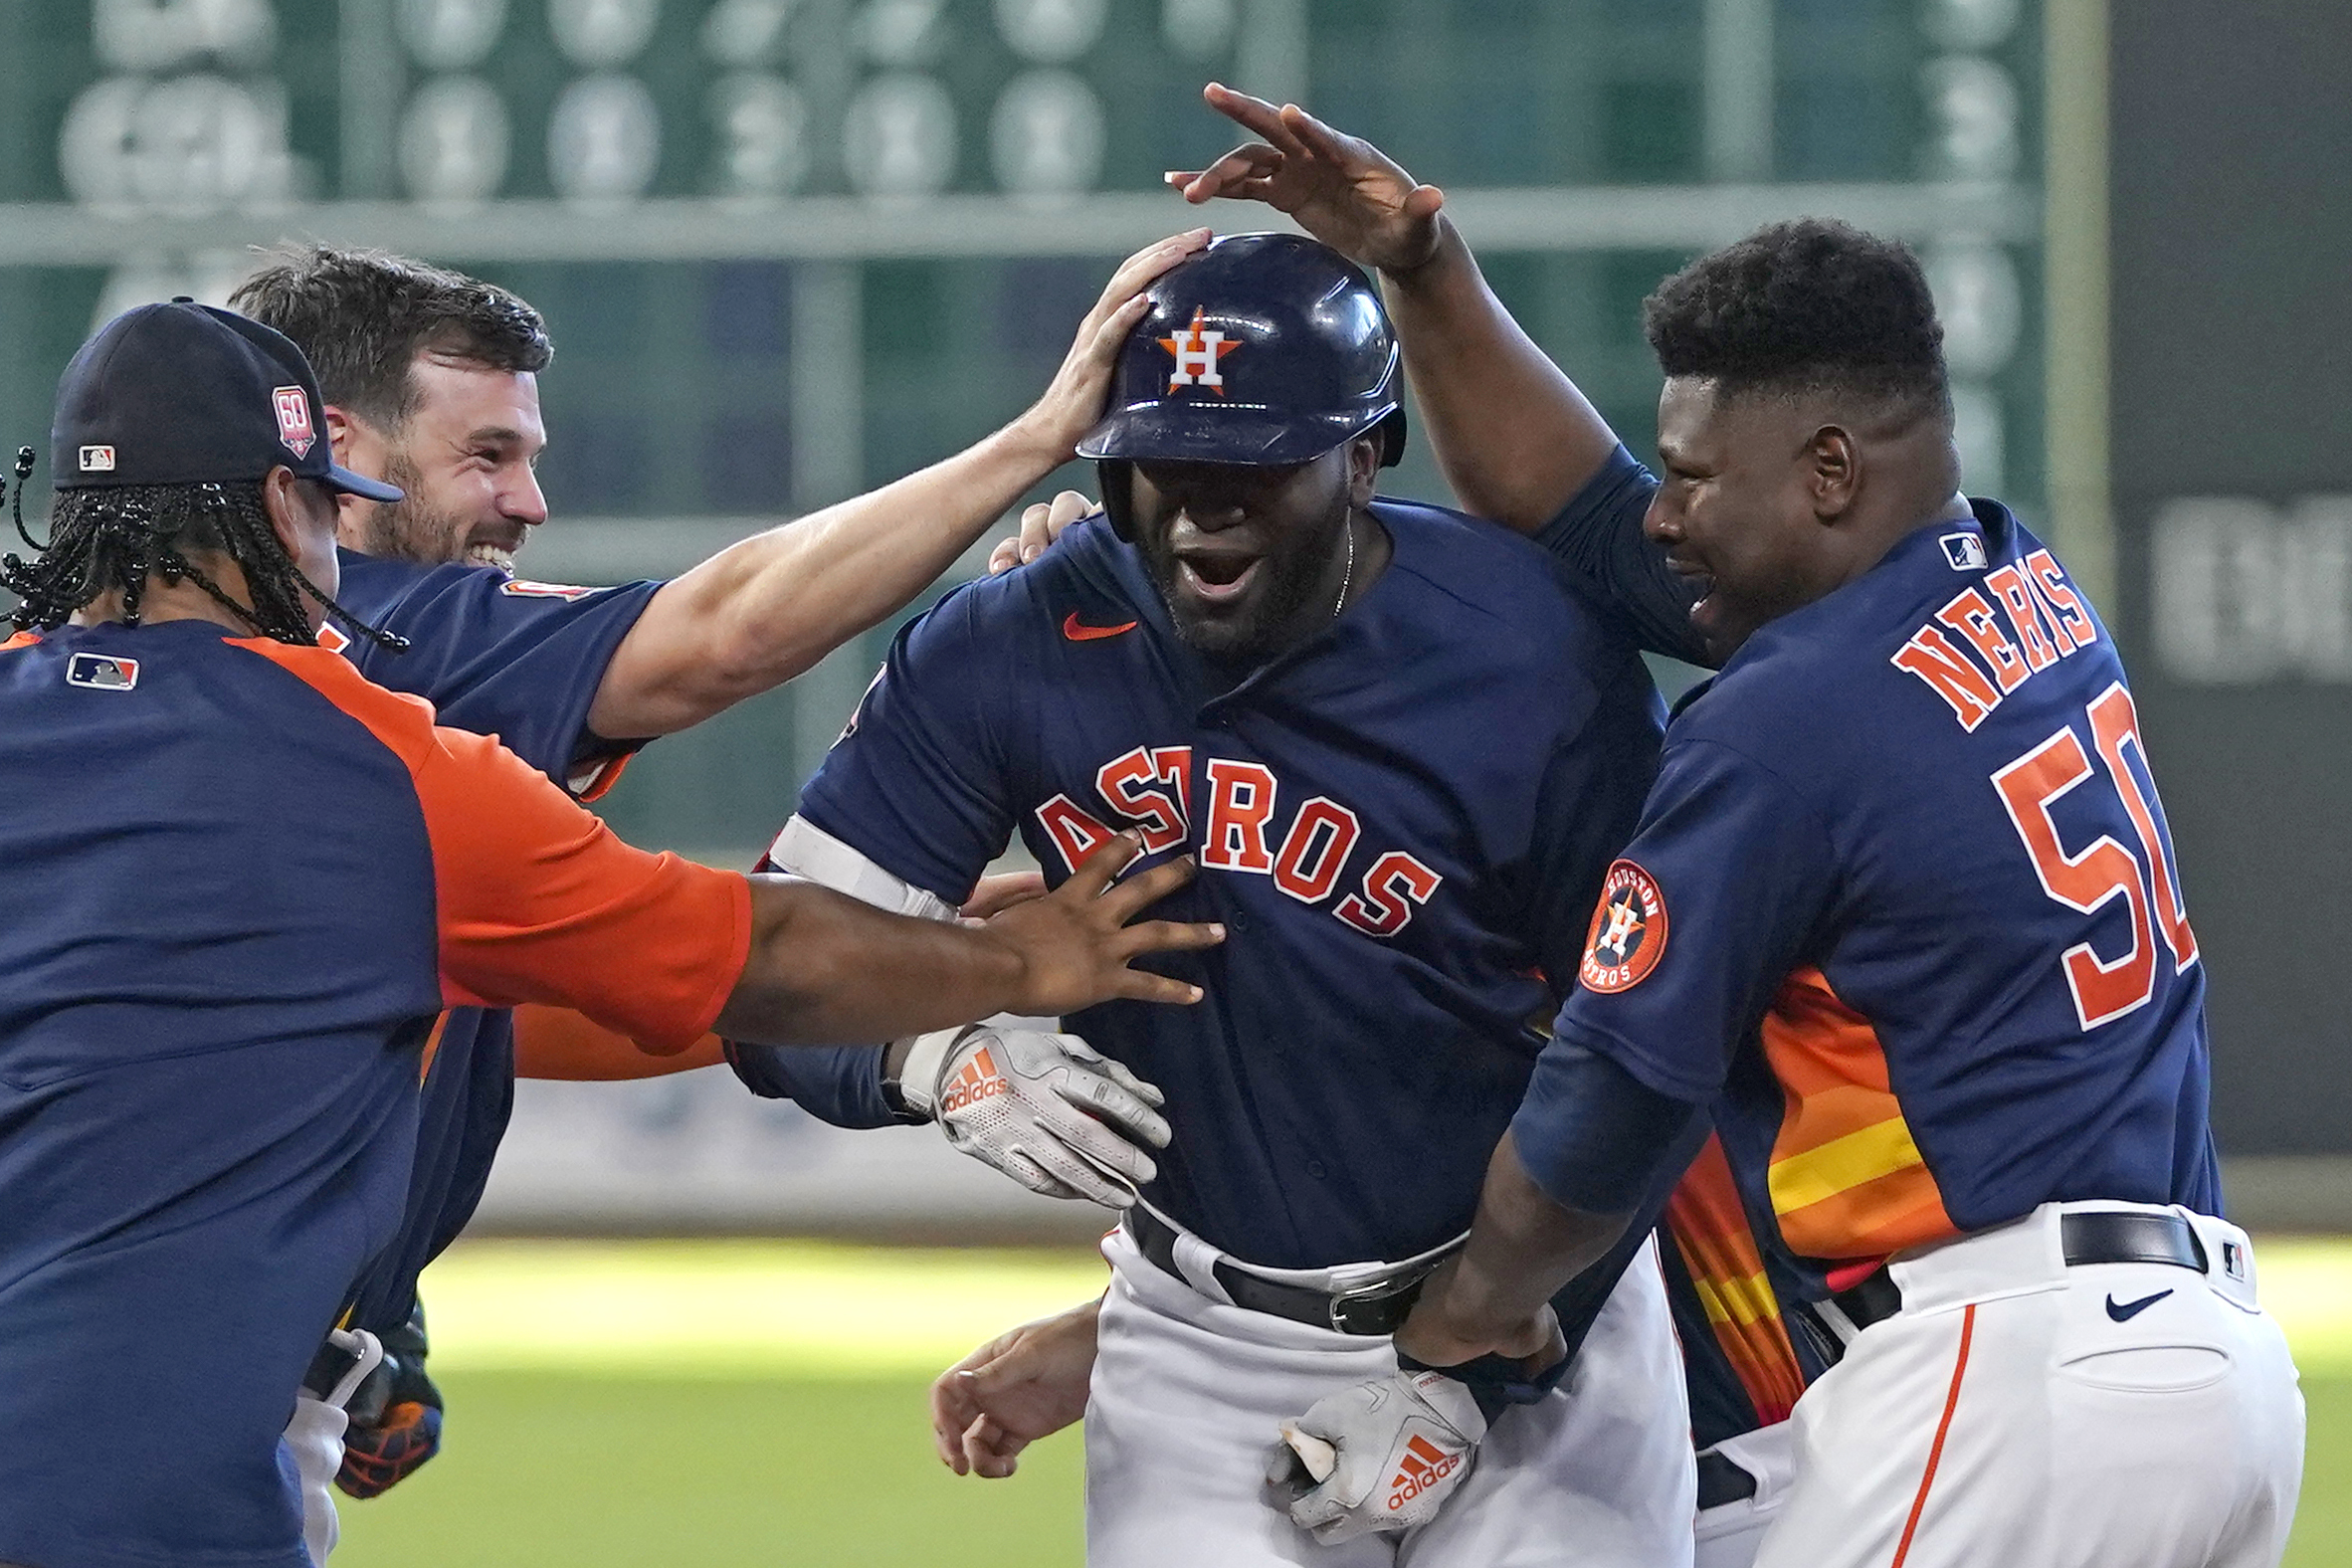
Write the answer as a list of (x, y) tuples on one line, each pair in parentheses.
[(1738, 505), (465, 457), (1248, 560)]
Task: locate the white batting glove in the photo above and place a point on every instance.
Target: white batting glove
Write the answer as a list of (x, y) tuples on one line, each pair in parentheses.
[(1047, 1110), (1387, 1455)]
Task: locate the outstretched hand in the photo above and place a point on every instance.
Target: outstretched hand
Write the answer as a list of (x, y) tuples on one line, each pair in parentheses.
[(1341, 189), (1074, 944)]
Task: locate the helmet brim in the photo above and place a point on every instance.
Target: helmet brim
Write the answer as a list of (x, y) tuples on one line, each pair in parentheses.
[(1247, 434)]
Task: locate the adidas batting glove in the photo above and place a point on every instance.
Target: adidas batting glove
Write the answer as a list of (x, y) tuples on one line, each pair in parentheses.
[(1046, 1110), (1386, 1454)]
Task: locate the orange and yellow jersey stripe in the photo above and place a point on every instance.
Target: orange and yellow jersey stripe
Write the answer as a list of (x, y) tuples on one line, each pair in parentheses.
[(1846, 1180), (1743, 1370)]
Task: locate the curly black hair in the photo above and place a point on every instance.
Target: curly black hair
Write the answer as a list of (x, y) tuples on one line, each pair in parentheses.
[(1809, 305)]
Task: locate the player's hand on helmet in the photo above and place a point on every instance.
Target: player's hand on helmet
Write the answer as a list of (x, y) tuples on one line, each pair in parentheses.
[(1383, 1456), (1341, 189), (1041, 525), (1046, 1110), (1019, 1387), (1074, 400), (395, 1417), (1074, 944)]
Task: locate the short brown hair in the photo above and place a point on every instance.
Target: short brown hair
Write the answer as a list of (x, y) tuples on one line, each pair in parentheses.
[(363, 316)]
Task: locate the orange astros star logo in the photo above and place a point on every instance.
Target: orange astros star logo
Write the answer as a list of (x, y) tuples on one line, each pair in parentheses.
[(1197, 352), (1629, 932)]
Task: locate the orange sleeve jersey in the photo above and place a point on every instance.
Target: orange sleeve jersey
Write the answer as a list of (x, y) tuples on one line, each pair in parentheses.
[(536, 899), (243, 887)]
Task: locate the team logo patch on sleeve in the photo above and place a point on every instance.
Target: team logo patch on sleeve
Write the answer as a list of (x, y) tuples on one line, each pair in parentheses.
[(522, 589), (1629, 932)]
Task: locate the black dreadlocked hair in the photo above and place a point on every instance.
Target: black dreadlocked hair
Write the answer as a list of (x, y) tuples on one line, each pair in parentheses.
[(106, 540), (1803, 306)]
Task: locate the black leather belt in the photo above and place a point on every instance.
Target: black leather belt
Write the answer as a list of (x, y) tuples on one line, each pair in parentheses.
[(2093, 1238), (1722, 1481), (1374, 1309)]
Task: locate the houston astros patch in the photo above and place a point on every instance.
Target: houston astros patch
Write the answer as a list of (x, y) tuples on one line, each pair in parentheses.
[(1629, 932)]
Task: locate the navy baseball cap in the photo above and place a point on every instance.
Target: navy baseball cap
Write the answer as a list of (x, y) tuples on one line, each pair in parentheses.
[(186, 394)]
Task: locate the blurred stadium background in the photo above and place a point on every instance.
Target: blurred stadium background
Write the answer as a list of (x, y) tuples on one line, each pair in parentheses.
[(789, 249)]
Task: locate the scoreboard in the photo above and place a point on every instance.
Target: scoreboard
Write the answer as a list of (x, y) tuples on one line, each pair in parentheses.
[(790, 248)]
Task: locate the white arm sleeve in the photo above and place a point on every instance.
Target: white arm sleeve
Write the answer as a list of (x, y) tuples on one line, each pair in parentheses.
[(808, 852)]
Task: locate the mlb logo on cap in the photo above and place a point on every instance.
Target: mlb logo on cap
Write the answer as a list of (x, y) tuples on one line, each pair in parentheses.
[(97, 460), (2234, 1260), (293, 419), (102, 671)]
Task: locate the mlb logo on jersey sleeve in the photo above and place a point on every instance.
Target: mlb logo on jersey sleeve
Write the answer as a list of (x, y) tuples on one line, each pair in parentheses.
[(293, 407), (1629, 933), (1965, 551), (102, 671), (522, 589)]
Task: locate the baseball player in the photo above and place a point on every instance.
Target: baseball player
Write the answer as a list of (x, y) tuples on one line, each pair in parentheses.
[(1904, 911), (430, 382), (246, 882), (1518, 443), (1401, 752)]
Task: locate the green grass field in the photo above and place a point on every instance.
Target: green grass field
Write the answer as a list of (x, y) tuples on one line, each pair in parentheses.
[(758, 1403)]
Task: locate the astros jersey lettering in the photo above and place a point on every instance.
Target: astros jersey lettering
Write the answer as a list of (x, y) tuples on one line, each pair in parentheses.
[(252, 884), (520, 661), (1904, 896), (1401, 821)]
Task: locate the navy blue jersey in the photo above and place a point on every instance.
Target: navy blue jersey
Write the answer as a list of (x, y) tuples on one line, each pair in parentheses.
[(243, 882), (1598, 537), (1905, 899), (1402, 822), (520, 661)]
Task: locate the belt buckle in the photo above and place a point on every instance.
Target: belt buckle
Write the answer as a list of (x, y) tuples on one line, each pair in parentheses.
[(1376, 1308)]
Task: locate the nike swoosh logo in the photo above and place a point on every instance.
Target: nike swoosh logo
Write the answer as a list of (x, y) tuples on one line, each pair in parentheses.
[(1077, 633), (2129, 1311)]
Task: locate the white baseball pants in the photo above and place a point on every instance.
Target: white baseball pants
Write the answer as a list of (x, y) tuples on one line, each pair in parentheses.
[(314, 1437), (1188, 1393), (2023, 1414), (1730, 1533)]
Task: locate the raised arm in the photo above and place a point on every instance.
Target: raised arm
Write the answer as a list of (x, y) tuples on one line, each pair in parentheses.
[(763, 611), (1514, 437), (1517, 442)]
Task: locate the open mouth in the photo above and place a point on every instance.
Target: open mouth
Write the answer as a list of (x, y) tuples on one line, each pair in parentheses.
[(1697, 579), (1217, 577), (487, 554)]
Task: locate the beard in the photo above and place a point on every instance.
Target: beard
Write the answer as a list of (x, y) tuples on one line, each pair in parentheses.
[(1277, 613), (412, 529)]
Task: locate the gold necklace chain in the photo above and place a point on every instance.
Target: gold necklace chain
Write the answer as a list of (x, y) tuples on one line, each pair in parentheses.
[(1349, 576)]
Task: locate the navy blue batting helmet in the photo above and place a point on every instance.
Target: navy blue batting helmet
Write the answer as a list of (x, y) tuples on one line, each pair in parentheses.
[(1264, 349)]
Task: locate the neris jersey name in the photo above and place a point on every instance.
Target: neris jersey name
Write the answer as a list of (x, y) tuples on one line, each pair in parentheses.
[(2032, 618), (1150, 790)]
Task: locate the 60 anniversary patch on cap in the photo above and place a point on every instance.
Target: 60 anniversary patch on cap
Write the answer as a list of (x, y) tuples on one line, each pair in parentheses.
[(186, 394)]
